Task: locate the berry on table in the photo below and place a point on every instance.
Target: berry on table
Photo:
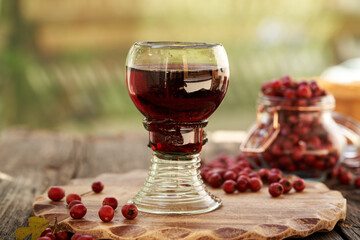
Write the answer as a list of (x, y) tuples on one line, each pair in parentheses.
[(255, 184), (106, 213), (129, 211), (274, 177), (78, 211), (50, 235), (56, 193), (276, 170), (74, 202), (299, 184), (44, 238), (345, 178), (47, 230), (215, 180), (76, 236), (357, 182), (242, 183), (286, 185), (62, 235), (111, 201), (230, 175), (276, 189), (71, 197), (264, 173), (97, 186), (229, 186)]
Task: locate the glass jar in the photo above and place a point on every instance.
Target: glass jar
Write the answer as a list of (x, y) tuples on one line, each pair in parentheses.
[(297, 136)]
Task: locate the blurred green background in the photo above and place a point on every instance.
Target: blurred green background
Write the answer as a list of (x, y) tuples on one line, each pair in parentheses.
[(62, 61)]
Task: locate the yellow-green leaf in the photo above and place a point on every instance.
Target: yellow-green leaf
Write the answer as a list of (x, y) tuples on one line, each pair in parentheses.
[(36, 226), (22, 233)]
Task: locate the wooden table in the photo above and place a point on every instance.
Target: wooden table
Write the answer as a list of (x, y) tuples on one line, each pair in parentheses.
[(31, 161)]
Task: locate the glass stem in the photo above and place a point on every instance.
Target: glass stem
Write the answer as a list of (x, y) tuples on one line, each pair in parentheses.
[(174, 186)]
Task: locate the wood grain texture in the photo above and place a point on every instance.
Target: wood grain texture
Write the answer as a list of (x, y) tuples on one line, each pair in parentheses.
[(242, 216), (28, 157), (29, 163)]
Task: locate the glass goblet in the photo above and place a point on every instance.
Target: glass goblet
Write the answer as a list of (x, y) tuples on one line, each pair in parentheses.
[(176, 86)]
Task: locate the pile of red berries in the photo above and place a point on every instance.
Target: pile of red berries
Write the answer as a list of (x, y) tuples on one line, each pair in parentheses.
[(292, 90), (78, 210), (306, 144), (345, 177), (237, 174), (48, 234)]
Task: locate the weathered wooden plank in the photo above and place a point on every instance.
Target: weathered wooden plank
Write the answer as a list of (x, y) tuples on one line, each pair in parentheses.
[(350, 228), (333, 235), (30, 161)]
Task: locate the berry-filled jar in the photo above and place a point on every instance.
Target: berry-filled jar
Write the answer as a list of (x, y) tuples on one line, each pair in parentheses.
[(296, 133)]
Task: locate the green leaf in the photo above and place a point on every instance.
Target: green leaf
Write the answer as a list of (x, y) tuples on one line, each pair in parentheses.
[(36, 226)]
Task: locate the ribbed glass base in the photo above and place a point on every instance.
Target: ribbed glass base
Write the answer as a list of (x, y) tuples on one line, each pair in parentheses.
[(174, 186)]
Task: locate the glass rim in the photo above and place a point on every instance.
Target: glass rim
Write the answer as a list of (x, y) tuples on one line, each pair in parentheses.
[(176, 44)]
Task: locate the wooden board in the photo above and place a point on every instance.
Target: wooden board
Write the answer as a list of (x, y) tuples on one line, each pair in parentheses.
[(242, 216)]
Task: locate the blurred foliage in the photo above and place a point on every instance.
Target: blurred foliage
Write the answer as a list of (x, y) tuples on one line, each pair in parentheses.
[(62, 63)]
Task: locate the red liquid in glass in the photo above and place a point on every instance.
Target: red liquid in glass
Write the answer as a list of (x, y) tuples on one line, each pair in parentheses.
[(172, 98)]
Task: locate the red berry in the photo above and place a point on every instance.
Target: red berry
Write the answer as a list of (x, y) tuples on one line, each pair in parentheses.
[(86, 237), (301, 102), (276, 170), (255, 184), (243, 164), (274, 177), (208, 174), (74, 203), (129, 211), (56, 193), (215, 180), (50, 235), (44, 238), (276, 189), (203, 172), (230, 175), (97, 186), (47, 230), (345, 178), (286, 81), (357, 182), (276, 150), (315, 142), (309, 159), (297, 153), (304, 91), (290, 94), (71, 197), (78, 211), (284, 161), (229, 186), (299, 184), (76, 236), (264, 173), (106, 213), (111, 201), (221, 172), (242, 184), (286, 185), (62, 235), (241, 156)]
